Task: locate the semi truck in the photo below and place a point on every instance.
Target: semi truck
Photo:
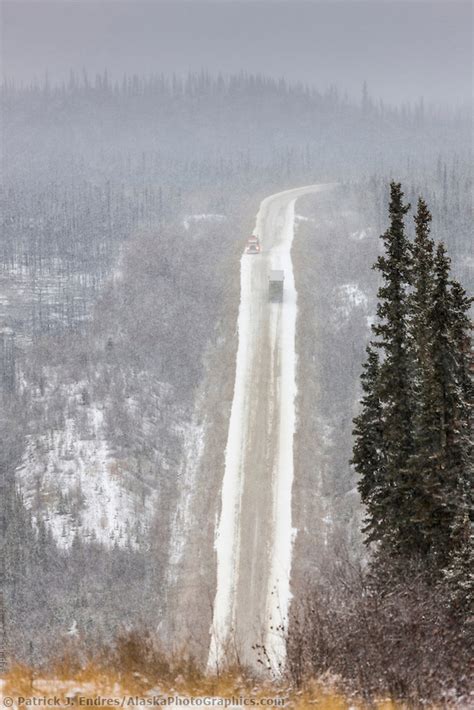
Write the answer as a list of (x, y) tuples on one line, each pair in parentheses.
[(275, 286)]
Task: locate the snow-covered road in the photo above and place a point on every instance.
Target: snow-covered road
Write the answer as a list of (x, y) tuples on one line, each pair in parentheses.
[(255, 534)]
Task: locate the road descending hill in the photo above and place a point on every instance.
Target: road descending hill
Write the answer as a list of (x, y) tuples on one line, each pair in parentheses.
[(254, 537)]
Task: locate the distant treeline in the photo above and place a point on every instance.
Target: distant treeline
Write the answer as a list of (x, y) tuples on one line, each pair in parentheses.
[(205, 85)]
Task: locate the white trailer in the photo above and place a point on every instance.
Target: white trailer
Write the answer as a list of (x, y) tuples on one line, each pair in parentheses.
[(275, 286)]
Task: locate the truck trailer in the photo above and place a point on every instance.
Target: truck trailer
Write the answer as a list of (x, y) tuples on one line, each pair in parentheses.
[(275, 286)]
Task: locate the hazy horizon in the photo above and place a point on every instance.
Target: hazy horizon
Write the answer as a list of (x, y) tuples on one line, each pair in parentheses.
[(341, 43)]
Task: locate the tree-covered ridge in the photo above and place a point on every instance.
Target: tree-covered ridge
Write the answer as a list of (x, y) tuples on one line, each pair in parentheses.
[(235, 121), (413, 436)]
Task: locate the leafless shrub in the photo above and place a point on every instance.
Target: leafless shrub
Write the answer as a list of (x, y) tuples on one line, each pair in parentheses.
[(402, 640)]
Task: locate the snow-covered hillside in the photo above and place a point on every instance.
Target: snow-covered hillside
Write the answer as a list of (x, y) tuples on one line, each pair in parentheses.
[(101, 469), (70, 477)]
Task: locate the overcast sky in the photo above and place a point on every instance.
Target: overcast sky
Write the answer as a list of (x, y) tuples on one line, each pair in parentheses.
[(404, 49)]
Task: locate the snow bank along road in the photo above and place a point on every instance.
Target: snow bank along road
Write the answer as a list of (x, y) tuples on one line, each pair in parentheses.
[(254, 536)]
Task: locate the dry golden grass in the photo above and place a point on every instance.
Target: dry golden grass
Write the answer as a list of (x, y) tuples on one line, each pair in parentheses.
[(135, 666), (93, 680)]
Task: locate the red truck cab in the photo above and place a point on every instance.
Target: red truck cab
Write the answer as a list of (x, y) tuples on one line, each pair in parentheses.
[(253, 245)]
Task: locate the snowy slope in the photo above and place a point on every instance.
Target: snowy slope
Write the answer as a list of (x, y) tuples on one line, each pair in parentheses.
[(69, 477)]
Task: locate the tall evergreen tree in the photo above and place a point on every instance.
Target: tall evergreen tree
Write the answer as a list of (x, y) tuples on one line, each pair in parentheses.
[(451, 348), (413, 447), (452, 400), (422, 464), (461, 331), (439, 323), (391, 520), (422, 280), (368, 449)]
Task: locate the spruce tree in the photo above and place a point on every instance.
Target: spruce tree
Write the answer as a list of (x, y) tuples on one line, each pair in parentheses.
[(391, 520), (368, 449), (461, 331), (422, 466), (461, 328), (422, 280), (413, 437), (452, 401)]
